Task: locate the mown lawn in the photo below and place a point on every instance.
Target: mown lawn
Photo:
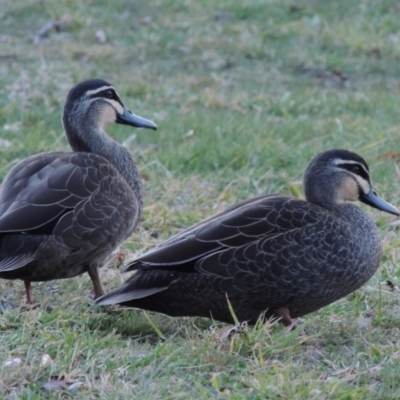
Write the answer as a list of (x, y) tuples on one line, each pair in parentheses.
[(245, 93)]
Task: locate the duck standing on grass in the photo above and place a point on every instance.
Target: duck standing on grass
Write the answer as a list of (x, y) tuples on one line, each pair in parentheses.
[(274, 254), (62, 214)]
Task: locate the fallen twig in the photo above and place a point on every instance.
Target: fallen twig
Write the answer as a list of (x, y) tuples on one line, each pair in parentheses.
[(45, 30)]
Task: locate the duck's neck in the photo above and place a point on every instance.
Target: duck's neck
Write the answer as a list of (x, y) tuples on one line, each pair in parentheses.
[(319, 193), (96, 141)]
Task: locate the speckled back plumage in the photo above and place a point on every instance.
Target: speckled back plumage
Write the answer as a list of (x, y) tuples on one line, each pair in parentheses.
[(264, 254)]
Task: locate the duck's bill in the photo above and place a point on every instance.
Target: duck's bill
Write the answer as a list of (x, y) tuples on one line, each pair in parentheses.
[(373, 200), (127, 118)]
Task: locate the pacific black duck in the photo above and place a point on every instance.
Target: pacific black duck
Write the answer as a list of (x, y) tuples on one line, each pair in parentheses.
[(272, 254), (62, 214)]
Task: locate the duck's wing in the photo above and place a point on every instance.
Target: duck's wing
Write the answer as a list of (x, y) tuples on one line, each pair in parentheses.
[(310, 247), (140, 285), (39, 189), (74, 196), (245, 223)]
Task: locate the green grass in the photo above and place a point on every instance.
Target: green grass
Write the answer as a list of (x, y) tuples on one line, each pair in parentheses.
[(264, 86)]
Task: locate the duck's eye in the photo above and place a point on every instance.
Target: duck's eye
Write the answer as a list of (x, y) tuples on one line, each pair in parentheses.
[(109, 94), (356, 169)]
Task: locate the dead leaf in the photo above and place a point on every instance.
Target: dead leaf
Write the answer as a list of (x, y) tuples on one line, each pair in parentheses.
[(12, 362), (121, 256), (228, 332), (188, 134), (46, 361), (57, 382), (391, 285), (391, 155), (45, 30), (101, 37), (14, 127), (54, 288)]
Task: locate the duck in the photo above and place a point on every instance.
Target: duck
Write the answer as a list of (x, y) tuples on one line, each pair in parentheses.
[(63, 213), (272, 256)]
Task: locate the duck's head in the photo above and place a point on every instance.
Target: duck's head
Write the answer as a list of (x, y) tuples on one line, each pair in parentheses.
[(93, 104), (337, 176)]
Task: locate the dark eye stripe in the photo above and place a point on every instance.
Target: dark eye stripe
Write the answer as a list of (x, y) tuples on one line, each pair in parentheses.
[(105, 94), (350, 167)]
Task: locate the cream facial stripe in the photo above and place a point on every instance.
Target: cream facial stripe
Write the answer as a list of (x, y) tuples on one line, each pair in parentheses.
[(115, 104), (364, 185), (339, 161), (98, 90)]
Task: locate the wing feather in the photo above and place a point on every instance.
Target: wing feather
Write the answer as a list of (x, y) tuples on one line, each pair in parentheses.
[(242, 224), (41, 189), (12, 263)]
